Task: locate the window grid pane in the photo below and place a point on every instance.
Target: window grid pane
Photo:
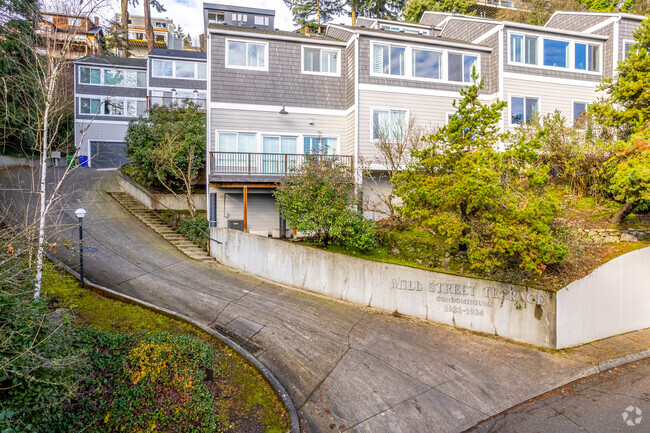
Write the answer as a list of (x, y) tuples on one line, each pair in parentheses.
[(469, 63), (455, 67), (556, 53), (426, 64), (236, 54), (531, 50), (312, 60), (516, 110), (516, 48)]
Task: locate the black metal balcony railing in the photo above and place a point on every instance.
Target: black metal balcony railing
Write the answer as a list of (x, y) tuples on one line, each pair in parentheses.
[(176, 102), (265, 163)]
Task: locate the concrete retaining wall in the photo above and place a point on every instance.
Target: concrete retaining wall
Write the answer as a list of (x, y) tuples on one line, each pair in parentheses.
[(153, 201), (11, 161), (511, 311), (613, 299)]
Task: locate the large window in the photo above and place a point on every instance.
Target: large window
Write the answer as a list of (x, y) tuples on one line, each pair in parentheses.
[(246, 55), (556, 53), (178, 69), (89, 105), (460, 67), (627, 48), (320, 61), (113, 78), (388, 125), (261, 21), (236, 142), (426, 63), (114, 107), (523, 49), (279, 144), (388, 60), (90, 76), (579, 108), (522, 109), (321, 145), (163, 68), (587, 57)]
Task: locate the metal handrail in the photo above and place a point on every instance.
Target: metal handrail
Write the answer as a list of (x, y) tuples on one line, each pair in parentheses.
[(170, 101), (251, 163), (132, 182)]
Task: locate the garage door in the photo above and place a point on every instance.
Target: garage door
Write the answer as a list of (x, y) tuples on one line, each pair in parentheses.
[(108, 154)]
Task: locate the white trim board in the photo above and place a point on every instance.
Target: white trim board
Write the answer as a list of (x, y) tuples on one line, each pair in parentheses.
[(553, 80), (423, 92), (276, 108)]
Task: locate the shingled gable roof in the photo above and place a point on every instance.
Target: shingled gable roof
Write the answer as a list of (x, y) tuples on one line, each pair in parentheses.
[(433, 40), (113, 61), (271, 34)]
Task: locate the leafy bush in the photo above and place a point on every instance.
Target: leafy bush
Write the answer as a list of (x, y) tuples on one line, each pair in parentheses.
[(145, 135), (160, 382), (39, 360), (576, 157), (319, 199), (195, 229), (490, 203)]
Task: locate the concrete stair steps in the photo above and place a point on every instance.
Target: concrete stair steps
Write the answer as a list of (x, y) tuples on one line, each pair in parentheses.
[(158, 225)]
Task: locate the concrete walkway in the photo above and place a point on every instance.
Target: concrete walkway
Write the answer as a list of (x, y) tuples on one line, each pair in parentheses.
[(616, 400), (347, 368)]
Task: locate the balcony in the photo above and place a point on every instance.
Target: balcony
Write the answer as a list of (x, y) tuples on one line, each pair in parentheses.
[(261, 167), (176, 102)]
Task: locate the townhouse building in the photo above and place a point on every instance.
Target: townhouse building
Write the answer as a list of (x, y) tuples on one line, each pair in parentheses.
[(83, 35), (176, 77), (109, 92), (278, 96), (214, 13), (542, 69), (163, 33), (275, 97)]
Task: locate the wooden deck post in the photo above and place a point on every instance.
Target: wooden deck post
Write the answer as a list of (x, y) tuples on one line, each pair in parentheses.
[(245, 208)]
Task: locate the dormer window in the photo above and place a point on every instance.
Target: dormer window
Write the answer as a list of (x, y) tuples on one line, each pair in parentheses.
[(320, 61)]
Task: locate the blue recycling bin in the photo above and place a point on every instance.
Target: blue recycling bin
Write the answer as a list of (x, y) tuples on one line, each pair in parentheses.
[(83, 161)]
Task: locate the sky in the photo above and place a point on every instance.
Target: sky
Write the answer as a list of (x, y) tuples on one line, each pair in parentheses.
[(187, 13)]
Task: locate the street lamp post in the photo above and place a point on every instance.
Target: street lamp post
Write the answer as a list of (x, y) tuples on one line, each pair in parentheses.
[(81, 213)]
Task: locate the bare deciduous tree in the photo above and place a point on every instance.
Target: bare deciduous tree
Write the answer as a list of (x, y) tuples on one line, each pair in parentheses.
[(46, 58), (395, 141)]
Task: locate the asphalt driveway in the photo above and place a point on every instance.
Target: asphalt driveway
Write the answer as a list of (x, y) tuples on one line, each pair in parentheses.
[(347, 368)]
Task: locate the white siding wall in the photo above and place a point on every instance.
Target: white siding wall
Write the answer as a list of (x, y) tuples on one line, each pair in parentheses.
[(98, 131), (348, 136), (273, 123), (430, 112), (551, 96), (261, 208)]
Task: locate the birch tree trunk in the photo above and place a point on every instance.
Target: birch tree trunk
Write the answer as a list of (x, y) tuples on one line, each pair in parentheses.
[(147, 25), (125, 28)]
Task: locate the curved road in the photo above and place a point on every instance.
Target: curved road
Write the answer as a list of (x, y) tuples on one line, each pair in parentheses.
[(347, 368)]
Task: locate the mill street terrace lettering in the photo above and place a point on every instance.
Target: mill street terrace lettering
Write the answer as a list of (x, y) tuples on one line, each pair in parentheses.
[(462, 294)]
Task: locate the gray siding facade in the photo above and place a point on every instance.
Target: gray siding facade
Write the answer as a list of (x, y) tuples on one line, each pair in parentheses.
[(283, 83), (350, 73), (465, 30), (433, 18), (575, 22), (105, 92), (548, 72), (365, 59)]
